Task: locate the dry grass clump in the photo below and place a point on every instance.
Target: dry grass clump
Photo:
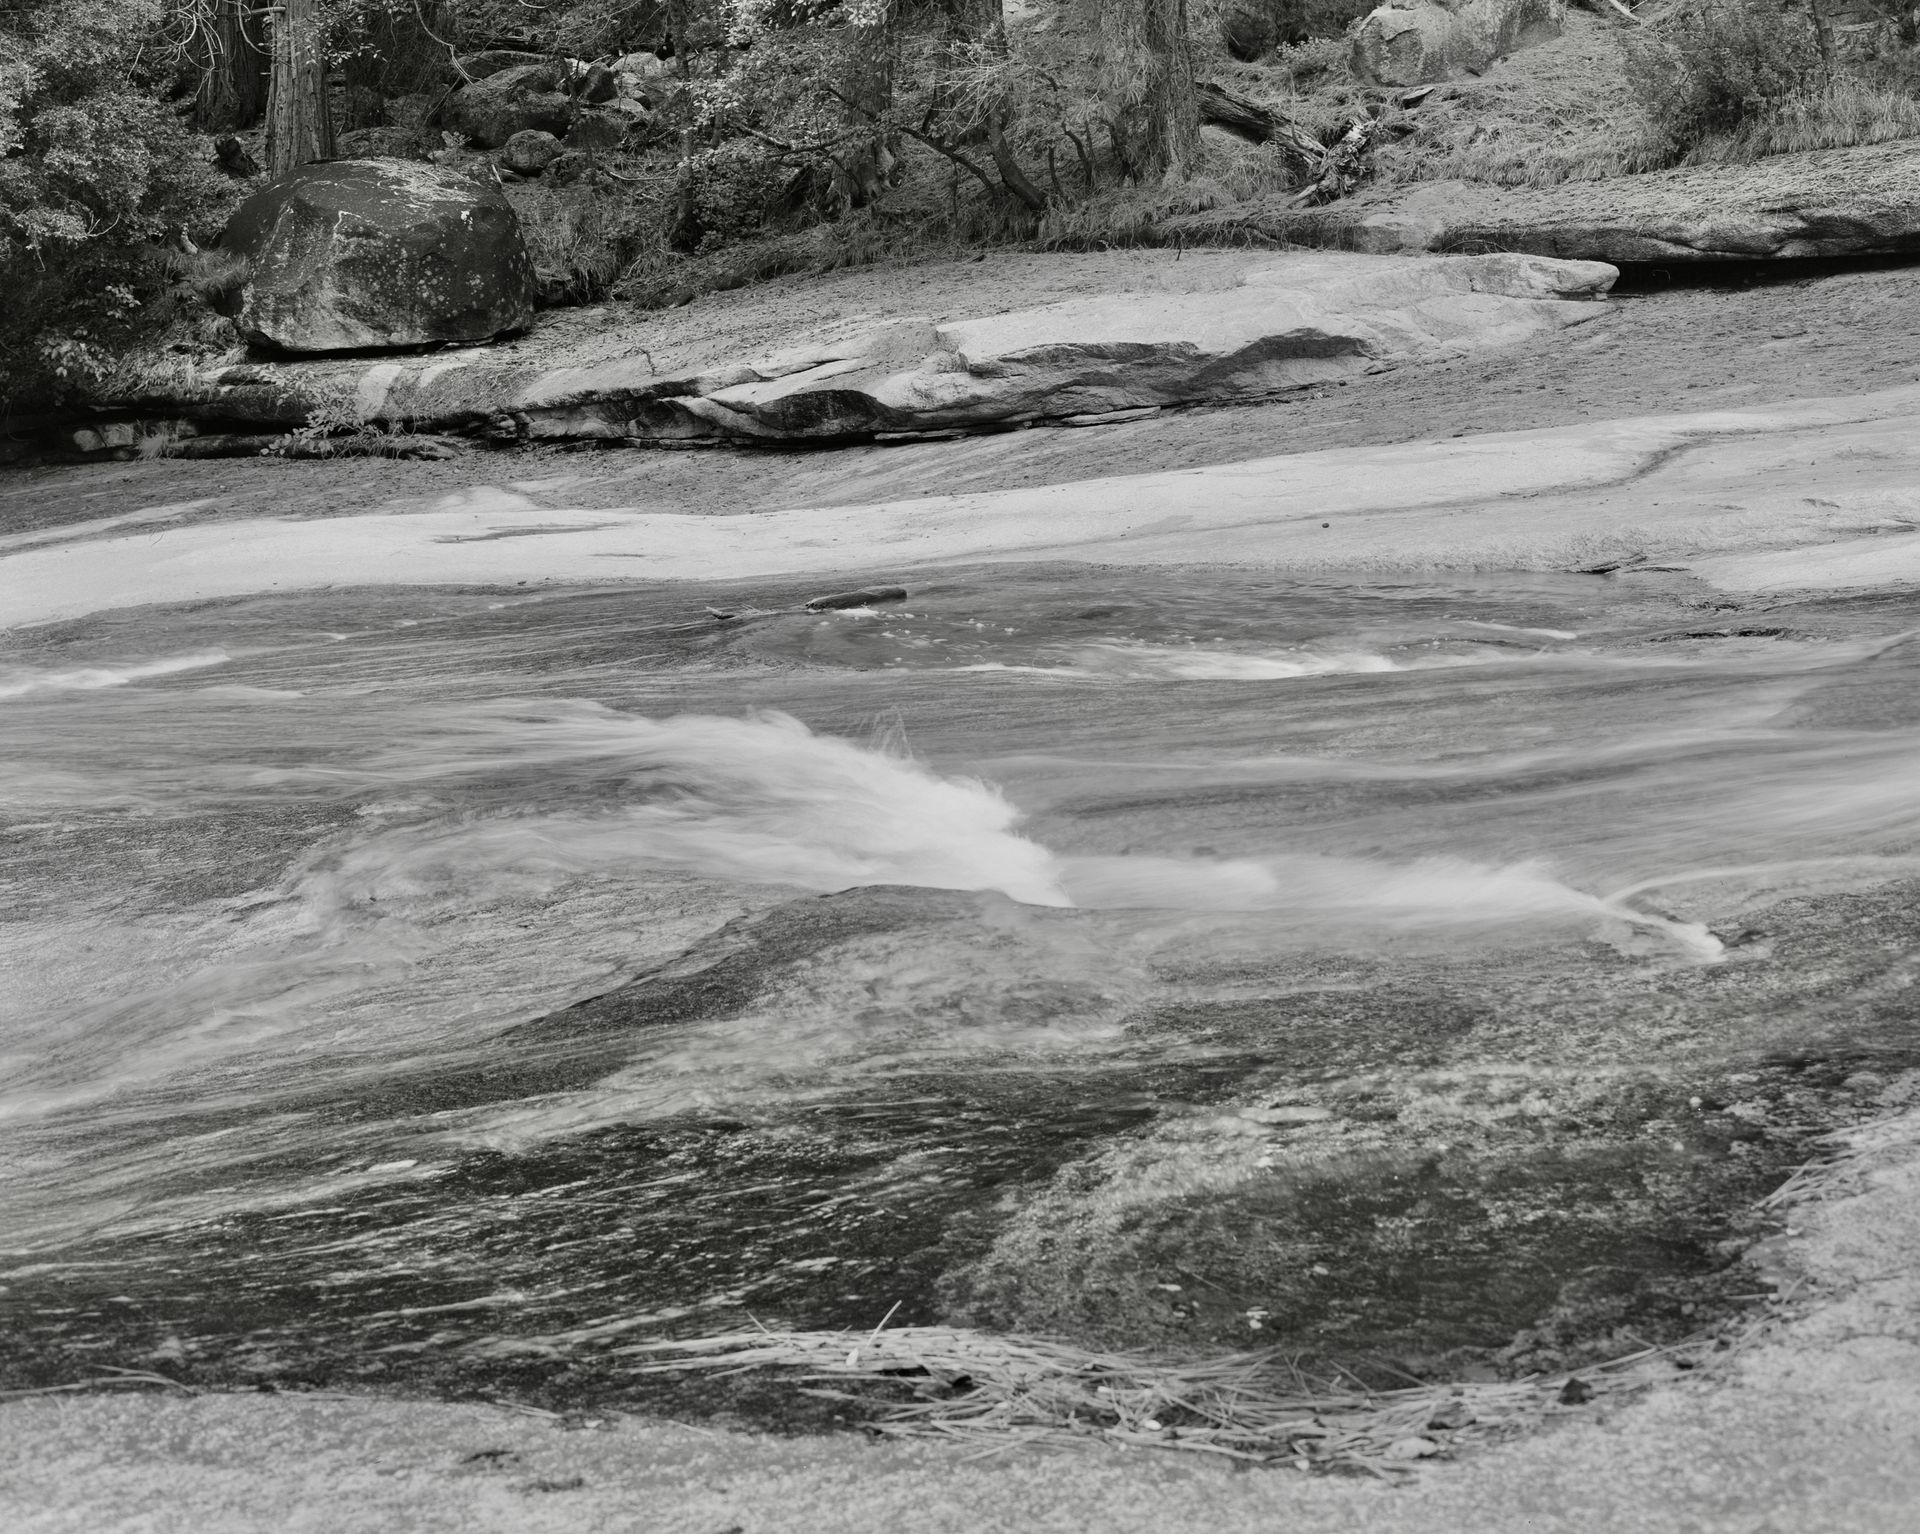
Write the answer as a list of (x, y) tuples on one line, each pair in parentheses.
[(1836, 115), (583, 238), (1562, 111), (936, 1382), (1705, 82)]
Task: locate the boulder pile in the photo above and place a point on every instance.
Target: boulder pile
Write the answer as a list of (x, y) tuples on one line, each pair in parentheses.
[(532, 110)]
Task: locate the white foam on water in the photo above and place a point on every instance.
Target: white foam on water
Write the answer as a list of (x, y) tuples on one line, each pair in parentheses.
[(761, 799), (22, 682), (1514, 628), (1361, 893), (1123, 660)]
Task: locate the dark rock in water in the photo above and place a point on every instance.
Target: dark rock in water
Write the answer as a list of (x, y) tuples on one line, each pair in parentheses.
[(379, 253), (491, 110), (530, 151), (863, 598)]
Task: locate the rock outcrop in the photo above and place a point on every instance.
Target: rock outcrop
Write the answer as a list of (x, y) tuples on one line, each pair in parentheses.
[(379, 253), (1831, 202), (1294, 321), (1422, 42)]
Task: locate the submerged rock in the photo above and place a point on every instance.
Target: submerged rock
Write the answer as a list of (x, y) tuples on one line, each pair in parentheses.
[(1422, 42), (379, 253)]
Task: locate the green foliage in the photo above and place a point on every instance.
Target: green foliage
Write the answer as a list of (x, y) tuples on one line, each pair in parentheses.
[(94, 168)]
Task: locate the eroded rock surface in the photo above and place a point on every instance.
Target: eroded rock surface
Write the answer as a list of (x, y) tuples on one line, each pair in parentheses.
[(379, 253), (1292, 322)]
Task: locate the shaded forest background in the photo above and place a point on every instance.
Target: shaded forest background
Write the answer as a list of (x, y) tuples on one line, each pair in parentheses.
[(759, 137)]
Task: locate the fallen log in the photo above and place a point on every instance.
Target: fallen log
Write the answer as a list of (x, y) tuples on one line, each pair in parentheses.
[(1256, 124)]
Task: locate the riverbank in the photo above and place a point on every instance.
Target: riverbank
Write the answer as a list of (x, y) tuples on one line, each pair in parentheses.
[(1772, 335)]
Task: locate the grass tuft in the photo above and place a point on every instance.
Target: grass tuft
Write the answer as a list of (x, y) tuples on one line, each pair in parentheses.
[(993, 1391)]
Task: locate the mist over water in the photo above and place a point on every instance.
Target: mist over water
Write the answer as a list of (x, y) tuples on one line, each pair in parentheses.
[(294, 850)]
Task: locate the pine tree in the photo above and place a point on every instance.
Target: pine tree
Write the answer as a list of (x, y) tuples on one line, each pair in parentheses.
[(299, 126)]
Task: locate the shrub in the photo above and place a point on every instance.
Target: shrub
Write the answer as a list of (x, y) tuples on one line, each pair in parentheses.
[(583, 237), (95, 170), (1732, 80), (1714, 67)]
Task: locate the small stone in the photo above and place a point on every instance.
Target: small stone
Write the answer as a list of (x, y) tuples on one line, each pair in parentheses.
[(1411, 1448), (1865, 1084)]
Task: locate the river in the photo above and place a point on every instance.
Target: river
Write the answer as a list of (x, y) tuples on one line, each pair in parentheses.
[(449, 988)]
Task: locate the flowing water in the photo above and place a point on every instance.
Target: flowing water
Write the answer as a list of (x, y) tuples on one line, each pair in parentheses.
[(453, 988)]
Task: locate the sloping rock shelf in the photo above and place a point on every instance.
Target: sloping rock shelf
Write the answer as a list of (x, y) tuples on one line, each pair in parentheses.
[(1298, 320), (1834, 202)]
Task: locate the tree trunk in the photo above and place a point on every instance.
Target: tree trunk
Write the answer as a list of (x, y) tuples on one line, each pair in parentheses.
[(863, 168), (1149, 66), (233, 79), (299, 126)]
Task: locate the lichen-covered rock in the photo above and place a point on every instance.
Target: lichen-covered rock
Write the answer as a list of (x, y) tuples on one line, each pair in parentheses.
[(522, 96), (1420, 42), (530, 151), (379, 253)]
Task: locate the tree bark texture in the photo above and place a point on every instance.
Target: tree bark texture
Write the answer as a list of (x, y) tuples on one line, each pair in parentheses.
[(299, 125), (1155, 119), (233, 73)]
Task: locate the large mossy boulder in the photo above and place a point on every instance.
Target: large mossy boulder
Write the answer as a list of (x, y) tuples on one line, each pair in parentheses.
[(360, 254), (513, 100), (1422, 42)]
